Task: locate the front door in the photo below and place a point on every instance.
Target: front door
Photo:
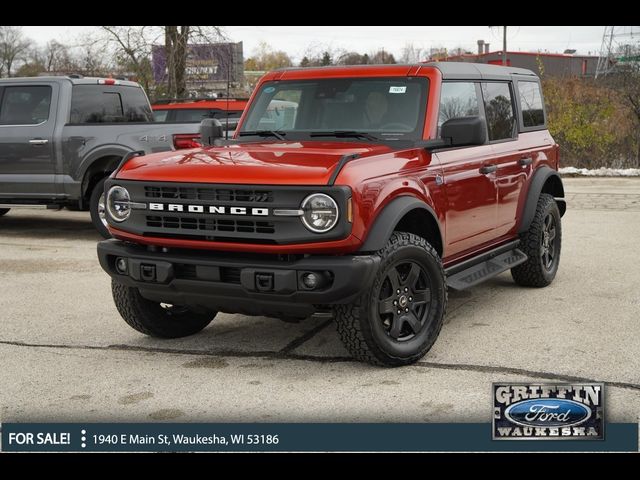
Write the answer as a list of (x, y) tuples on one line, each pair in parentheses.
[(27, 160), (469, 178)]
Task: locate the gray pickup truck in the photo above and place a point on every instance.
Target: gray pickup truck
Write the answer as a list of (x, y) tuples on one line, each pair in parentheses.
[(61, 137)]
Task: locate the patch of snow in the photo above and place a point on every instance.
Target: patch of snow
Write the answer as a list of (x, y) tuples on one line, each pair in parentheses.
[(601, 172)]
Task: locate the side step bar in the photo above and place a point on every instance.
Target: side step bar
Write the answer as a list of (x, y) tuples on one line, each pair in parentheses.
[(476, 270), (31, 205)]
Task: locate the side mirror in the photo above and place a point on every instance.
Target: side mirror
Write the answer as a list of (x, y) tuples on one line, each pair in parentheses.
[(210, 131), (463, 131)]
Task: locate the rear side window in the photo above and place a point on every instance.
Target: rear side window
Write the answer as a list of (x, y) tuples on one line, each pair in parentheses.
[(160, 115), (457, 99), (498, 108), (197, 114), (107, 104), (531, 104), (25, 105)]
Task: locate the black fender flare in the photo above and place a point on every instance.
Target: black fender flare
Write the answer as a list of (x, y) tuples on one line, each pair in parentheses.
[(540, 177), (387, 220)]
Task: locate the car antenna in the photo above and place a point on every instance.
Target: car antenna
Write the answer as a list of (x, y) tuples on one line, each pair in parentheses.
[(226, 128)]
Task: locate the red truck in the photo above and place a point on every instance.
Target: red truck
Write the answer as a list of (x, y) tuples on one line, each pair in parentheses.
[(227, 110), (365, 193)]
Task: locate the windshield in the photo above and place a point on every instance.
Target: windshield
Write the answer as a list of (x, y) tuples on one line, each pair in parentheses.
[(365, 109)]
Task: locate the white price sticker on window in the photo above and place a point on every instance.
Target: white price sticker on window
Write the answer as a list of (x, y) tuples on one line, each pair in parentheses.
[(397, 89)]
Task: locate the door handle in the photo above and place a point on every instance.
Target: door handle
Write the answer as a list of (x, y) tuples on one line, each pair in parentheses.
[(488, 169), (524, 161), (38, 141)]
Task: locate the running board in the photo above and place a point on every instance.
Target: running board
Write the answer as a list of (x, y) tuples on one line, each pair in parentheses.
[(31, 206), (484, 269)]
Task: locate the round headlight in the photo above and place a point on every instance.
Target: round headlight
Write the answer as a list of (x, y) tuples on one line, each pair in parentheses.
[(320, 212), (118, 203)]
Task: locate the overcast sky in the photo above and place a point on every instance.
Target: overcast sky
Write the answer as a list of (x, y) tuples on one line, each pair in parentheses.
[(296, 39)]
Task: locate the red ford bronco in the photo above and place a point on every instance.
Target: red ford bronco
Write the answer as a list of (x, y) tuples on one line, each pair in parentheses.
[(359, 192)]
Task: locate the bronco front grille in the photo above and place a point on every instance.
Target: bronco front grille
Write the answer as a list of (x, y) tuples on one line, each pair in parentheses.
[(209, 194), (209, 224)]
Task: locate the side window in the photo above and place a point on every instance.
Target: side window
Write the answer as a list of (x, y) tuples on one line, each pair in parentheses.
[(25, 105), (89, 104), (531, 104), (160, 115), (498, 107), (457, 99), (97, 104), (281, 112), (191, 114)]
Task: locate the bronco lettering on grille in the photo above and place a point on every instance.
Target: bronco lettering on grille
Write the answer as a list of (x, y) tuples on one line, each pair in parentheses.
[(214, 209)]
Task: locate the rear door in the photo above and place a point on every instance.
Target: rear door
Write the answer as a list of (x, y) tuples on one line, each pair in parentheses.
[(27, 120), (511, 172)]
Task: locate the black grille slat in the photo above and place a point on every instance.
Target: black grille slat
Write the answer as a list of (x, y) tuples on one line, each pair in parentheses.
[(230, 275), (209, 224), (186, 271), (209, 194)]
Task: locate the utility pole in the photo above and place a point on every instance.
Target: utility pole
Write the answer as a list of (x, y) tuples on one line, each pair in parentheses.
[(504, 44)]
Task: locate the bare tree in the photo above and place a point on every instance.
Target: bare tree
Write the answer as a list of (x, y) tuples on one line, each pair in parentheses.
[(55, 56), (13, 46), (628, 83), (352, 58), (176, 41), (133, 49), (412, 54), (382, 57)]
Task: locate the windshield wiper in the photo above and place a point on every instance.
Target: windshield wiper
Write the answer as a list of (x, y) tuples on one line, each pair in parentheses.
[(345, 134), (264, 133)]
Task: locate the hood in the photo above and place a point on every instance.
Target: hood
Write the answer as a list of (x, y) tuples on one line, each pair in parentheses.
[(286, 163)]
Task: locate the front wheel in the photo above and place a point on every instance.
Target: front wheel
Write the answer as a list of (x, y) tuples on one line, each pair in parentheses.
[(4, 211), (157, 319), (541, 242), (97, 209), (398, 320)]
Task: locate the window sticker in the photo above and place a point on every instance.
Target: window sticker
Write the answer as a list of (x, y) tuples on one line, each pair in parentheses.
[(269, 89), (397, 89)]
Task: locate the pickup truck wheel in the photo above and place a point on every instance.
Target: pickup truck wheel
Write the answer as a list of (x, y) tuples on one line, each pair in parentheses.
[(97, 209), (542, 244), (4, 211), (398, 319), (157, 319)]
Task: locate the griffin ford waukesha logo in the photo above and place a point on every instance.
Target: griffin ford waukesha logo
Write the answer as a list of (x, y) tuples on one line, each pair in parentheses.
[(212, 209), (548, 412)]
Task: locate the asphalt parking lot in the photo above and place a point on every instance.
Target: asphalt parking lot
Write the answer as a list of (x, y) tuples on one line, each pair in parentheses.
[(68, 356)]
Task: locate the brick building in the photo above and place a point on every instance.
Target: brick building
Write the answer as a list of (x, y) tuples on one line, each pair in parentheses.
[(553, 64)]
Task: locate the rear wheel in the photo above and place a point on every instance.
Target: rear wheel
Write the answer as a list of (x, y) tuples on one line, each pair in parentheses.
[(157, 319), (398, 320), (98, 210), (4, 211), (542, 244)]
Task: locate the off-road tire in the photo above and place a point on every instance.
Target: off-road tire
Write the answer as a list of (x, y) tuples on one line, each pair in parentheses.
[(533, 272), (359, 324), (154, 320), (4, 211), (96, 193)]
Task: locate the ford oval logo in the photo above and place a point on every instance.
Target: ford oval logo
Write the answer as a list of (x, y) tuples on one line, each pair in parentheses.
[(547, 412)]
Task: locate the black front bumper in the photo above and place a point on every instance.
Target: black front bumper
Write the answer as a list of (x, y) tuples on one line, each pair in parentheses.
[(237, 283)]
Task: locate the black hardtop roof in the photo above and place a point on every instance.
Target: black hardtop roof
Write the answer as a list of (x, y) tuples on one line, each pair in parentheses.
[(467, 70)]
